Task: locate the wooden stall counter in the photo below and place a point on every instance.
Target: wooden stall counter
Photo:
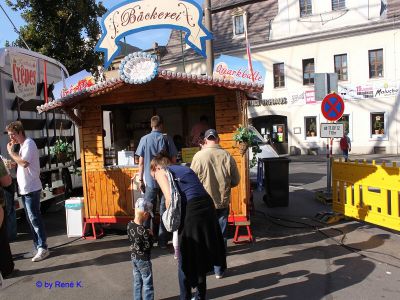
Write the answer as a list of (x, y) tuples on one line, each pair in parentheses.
[(111, 195)]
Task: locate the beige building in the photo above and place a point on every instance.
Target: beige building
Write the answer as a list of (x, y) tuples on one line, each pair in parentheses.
[(294, 39)]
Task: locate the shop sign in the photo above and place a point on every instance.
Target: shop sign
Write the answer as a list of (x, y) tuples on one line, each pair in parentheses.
[(235, 68), (138, 68), (73, 84), (24, 75), (310, 97), (134, 16), (268, 102), (306, 97), (368, 91)]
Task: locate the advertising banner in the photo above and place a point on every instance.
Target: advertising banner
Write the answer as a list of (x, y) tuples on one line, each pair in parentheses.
[(367, 91), (235, 68), (73, 84), (24, 75)]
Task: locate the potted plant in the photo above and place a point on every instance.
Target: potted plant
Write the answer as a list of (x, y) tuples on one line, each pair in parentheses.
[(62, 150), (378, 126), (246, 139)]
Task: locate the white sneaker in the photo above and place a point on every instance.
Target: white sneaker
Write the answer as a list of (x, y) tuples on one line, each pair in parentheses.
[(41, 254), (30, 254)]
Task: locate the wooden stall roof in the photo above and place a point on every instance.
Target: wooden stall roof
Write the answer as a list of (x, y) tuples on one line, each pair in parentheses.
[(112, 84)]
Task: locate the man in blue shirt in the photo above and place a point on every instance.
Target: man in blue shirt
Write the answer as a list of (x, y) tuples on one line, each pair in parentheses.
[(149, 146)]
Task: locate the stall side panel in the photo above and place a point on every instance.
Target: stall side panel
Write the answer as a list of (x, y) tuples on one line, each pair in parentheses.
[(92, 156), (228, 118)]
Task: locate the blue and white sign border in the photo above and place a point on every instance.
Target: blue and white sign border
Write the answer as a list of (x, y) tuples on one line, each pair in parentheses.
[(108, 59)]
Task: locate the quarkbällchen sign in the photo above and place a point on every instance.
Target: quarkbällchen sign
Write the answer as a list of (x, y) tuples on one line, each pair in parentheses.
[(134, 16)]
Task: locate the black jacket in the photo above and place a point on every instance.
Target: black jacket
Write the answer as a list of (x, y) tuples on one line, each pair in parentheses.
[(202, 246)]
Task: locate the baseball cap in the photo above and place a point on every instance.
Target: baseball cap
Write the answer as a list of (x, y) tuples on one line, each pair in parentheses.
[(144, 205), (210, 132)]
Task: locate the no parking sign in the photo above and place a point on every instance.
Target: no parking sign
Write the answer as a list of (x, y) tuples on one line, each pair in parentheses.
[(332, 107)]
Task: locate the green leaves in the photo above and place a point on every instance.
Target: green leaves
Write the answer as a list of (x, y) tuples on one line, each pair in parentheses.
[(66, 30), (247, 136), (60, 147)]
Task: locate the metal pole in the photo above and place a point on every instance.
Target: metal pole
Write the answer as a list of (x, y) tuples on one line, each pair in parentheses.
[(183, 53), (209, 43), (328, 168)]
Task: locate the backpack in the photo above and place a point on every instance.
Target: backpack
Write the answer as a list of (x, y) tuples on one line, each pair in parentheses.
[(344, 145), (172, 215)]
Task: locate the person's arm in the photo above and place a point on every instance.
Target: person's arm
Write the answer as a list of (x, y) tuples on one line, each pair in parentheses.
[(5, 178), (196, 166), (162, 180), (140, 172), (1, 216), (235, 176), (18, 159)]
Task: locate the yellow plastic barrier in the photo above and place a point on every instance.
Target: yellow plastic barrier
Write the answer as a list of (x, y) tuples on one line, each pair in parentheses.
[(367, 192)]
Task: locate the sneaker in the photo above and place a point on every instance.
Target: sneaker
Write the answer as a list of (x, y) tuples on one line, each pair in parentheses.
[(219, 276), (30, 254), (41, 254)]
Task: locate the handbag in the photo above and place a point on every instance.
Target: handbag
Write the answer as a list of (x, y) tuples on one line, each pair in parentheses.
[(172, 215)]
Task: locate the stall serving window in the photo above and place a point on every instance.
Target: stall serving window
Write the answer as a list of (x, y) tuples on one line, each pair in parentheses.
[(125, 124)]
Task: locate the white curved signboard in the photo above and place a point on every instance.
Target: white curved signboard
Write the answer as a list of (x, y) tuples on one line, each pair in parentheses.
[(134, 16)]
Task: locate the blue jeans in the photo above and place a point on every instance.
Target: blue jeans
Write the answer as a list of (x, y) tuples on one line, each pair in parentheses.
[(151, 195), (222, 217), (346, 154), (142, 278), (10, 212), (184, 286), (31, 203)]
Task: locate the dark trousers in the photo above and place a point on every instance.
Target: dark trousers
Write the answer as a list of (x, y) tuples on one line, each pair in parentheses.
[(185, 288)]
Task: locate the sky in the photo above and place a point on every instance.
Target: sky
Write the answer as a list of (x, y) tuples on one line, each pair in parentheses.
[(140, 40)]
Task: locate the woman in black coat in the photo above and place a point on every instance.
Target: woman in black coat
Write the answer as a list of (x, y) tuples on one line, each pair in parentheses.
[(201, 242)]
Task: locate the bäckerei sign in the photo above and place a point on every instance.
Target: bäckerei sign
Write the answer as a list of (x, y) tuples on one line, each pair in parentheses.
[(133, 16)]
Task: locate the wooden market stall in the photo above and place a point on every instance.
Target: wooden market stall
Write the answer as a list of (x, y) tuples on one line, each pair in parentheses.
[(107, 186)]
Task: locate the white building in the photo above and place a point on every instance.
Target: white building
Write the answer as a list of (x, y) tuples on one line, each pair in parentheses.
[(358, 39)]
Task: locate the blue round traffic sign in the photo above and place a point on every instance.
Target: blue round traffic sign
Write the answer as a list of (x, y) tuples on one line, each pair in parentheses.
[(332, 107)]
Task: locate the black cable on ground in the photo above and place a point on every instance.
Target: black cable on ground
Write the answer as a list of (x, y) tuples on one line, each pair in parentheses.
[(319, 229)]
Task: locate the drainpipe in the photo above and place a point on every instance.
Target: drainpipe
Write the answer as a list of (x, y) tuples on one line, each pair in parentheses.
[(209, 43)]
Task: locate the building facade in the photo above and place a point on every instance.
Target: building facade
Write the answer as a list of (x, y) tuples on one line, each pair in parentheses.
[(359, 40)]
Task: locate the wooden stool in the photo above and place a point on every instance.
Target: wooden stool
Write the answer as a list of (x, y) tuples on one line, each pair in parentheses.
[(246, 238)]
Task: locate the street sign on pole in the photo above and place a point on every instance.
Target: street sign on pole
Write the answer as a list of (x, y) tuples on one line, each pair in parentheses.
[(332, 107), (332, 130)]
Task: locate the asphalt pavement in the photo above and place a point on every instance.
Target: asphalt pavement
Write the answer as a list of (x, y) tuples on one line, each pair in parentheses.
[(294, 256)]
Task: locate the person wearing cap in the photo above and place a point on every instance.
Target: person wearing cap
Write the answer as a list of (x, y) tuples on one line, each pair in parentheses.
[(218, 172), (141, 240)]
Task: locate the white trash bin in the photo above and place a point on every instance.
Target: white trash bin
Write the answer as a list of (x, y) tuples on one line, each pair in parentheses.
[(74, 215)]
